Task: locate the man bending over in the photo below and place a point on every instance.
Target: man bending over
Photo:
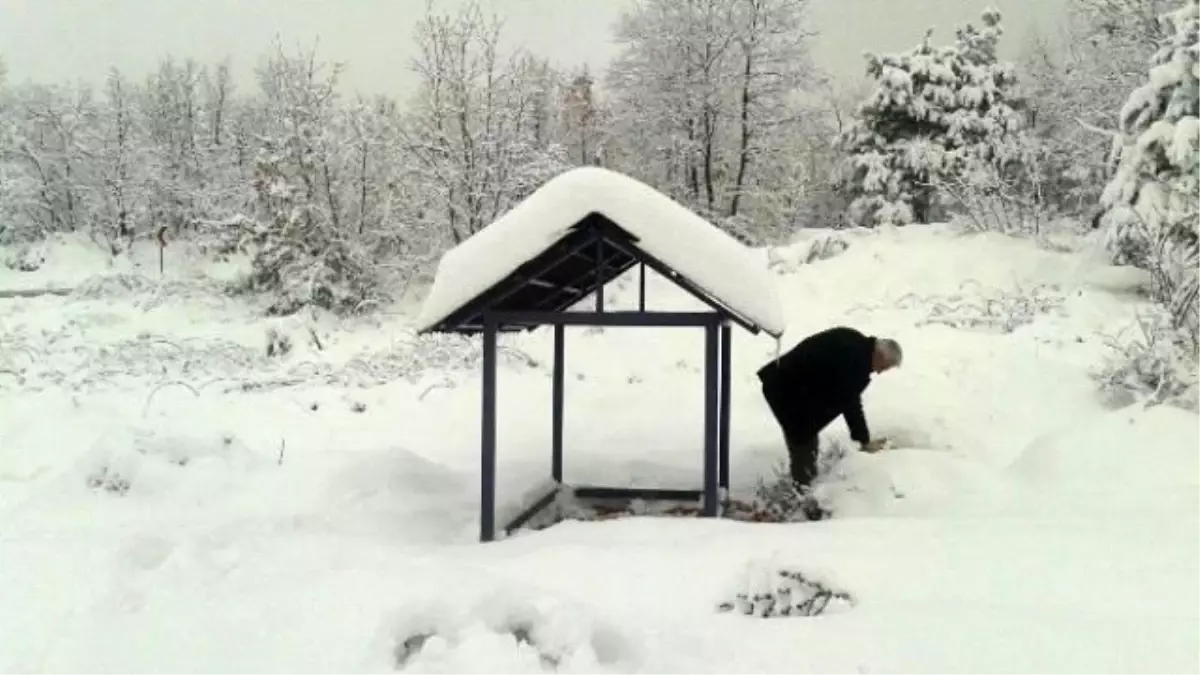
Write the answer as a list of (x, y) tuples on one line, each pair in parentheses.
[(820, 379)]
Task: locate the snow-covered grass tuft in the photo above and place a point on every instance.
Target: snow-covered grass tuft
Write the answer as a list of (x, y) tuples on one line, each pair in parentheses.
[(765, 589), (787, 259), (289, 354), (778, 500), (980, 309), (147, 293)]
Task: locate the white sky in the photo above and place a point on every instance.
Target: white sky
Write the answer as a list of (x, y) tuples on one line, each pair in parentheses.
[(61, 40)]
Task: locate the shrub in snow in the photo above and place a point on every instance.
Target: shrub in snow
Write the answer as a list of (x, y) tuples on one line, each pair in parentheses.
[(278, 344), (1002, 193), (301, 257), (937, 112), (776, 498), (26, 258), (767, 590), (788, 259), (1157, 366)]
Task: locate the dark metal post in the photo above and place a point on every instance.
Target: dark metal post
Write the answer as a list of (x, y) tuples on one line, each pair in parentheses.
[(556, 453), (599, 273), (711, 403), (642, 286), (726, 380), (487, 488)]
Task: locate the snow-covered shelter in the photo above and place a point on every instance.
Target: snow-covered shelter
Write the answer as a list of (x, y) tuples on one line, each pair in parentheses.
[(534, 265)]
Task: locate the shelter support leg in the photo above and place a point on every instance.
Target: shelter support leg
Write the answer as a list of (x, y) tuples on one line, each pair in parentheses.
[(711, 419), (487, 488), (556, 448), (726, 379)]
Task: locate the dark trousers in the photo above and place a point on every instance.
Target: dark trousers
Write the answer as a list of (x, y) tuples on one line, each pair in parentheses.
[(803, 445), (802, 458)]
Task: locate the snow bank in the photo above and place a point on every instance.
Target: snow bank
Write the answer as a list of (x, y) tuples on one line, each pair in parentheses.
[(911, 482), (1016, 525), (1130, 455), (143, 461), (509, 628), (706, 256)]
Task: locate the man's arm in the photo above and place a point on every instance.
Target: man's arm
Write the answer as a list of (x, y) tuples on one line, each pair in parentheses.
[(856, 421)]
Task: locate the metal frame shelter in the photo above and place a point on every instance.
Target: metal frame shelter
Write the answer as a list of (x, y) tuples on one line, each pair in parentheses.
[(542, 292)]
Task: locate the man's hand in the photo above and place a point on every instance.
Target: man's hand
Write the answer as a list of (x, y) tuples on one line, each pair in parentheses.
[(875, 445)]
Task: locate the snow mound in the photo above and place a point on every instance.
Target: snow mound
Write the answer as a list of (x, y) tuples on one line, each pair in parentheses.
[(1119, 279), (510, 631), (1135, 451), (144, 461), (395, 493), (908, 481)]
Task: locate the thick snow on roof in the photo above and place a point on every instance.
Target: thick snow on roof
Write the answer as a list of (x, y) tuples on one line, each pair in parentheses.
[(708, 257)]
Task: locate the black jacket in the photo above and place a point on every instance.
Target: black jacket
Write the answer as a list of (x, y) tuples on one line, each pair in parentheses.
[(819, 379)]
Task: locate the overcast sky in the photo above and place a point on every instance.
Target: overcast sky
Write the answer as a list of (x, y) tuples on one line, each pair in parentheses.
[(61, 40)]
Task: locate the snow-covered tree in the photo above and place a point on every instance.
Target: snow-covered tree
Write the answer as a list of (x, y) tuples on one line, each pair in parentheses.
[(1075, 79), (583, 120), (937, 113), (52, 137), (1151, 201), (477, 125), (303, 253), (706, 107)]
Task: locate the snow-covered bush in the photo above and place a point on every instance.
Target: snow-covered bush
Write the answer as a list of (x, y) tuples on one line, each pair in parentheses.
[(1155, 366), (937, 112), (1162, 363), (1003, 194), (777, 499), (25, 258), (788, 259), (301, 257), (1076, 80), (1150, 204), (766, 589)]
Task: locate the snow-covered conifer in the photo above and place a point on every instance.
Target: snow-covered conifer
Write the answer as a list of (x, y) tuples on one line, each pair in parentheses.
[(936, 112), (1157, 161)]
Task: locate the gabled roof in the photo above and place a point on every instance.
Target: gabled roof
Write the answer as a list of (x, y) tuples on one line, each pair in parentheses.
[(540, 256)]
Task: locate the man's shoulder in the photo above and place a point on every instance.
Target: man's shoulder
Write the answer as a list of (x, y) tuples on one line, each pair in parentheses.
[(838, 334)]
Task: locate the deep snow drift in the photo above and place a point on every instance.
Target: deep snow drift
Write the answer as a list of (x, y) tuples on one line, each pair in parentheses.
[(173, 499)]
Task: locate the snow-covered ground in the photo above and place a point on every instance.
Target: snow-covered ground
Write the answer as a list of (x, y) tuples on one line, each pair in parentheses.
[(174, 499)]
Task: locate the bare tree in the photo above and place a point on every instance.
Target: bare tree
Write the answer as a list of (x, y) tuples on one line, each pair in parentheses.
[(477, 125), (706, 95)]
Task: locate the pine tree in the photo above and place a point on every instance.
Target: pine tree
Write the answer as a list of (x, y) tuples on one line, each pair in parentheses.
[(936, 112), (1151, 210)]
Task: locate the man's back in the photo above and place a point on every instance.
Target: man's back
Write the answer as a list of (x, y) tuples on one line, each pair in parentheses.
[(835, 362)]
